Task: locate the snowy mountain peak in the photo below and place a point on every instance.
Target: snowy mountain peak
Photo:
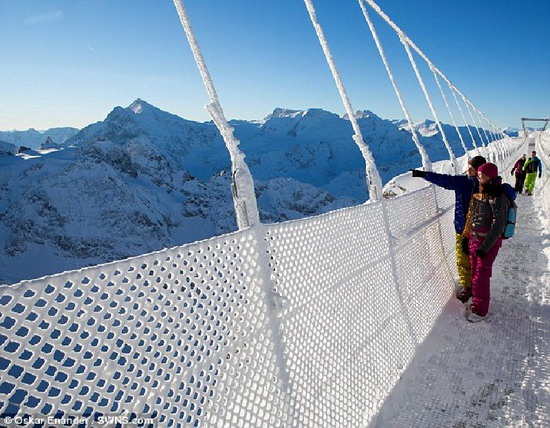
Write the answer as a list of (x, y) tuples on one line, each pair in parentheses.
[(425, 123), (427, 128), (363, 114), (49, 144), (318, 113), (510, 131), (149, 115), (139, 106), (298, 114), (283, 112), (292, 123)]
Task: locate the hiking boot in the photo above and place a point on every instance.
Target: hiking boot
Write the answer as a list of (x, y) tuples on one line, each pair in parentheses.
[(464, 294), (473, 317)]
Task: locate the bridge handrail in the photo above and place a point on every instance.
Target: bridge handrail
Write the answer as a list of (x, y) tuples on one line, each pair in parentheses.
[(541, 142)]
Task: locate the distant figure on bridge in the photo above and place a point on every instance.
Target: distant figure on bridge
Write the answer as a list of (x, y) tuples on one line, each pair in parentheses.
[(530, 167), (464, 186), (486, 221), (519, 173)]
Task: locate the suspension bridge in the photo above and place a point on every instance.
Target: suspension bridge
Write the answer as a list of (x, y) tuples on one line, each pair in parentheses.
[(345, 319)]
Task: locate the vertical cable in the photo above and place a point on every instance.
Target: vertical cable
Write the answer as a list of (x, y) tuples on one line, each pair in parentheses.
[(423, 154), (244, 196), (373, 177), (428, 99)]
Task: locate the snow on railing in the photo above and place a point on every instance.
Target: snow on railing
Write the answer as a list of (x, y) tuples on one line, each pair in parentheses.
[(197, 335), (541, 142), (303, 323)]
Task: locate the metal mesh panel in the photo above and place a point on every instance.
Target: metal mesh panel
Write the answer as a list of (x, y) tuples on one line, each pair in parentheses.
[(174, 335), (543, 153), (355, 307), (303, 323), (423, 274), (445, 200)]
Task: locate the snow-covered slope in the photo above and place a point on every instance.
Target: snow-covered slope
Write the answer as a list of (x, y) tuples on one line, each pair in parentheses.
[(144, 179), (511, 132), (7, 149), (34, 139)]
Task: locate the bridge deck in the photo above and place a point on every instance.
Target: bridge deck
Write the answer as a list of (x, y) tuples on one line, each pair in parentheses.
[(496, 372)]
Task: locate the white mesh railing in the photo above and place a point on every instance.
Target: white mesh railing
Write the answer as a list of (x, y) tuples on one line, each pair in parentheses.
[(195, 336), (542, 186), (174, 335)]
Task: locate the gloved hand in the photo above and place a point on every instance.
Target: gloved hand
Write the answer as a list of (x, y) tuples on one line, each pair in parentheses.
[(466, 246), (480, 253), (512, 173), (418, 173)]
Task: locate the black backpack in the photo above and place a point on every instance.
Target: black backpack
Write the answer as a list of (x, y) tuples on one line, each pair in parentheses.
[(532, 165)]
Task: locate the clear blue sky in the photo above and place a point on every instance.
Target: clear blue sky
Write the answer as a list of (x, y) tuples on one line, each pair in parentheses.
[(68, 63)]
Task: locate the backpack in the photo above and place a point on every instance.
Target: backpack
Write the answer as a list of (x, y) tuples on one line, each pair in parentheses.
[(531, 165), (510, 227)]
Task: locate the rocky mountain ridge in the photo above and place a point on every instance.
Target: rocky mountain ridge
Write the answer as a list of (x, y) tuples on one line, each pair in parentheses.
[(144, 179)]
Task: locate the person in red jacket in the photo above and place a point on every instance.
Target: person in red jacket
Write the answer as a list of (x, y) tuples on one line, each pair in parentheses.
[(518, 171)]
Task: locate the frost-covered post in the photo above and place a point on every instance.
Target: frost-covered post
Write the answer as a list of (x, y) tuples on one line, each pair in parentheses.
[(246, 207), (244, 196)]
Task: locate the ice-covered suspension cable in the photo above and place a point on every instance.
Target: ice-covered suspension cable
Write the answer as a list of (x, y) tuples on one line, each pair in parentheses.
[(373, 177), (465, 121), (491, 124), (427, 96), (244, 197), (495, 129), (398, 30), (448, 108), (475, 125), (483, 129), (423, 154)]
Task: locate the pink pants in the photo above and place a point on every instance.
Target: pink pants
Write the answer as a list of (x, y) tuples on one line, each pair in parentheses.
[(482, 270)]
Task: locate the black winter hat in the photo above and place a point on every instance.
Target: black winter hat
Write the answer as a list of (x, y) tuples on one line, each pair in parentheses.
[(477, 161)]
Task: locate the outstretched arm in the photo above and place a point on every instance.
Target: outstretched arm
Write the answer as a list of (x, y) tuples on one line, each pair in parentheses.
[(449, 182)]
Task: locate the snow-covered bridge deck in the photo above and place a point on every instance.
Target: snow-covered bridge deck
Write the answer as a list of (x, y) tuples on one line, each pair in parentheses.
[(495, 373)]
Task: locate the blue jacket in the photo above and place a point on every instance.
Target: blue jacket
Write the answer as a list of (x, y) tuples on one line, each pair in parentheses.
[(509, 191), (463, 186), (533, 168)]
